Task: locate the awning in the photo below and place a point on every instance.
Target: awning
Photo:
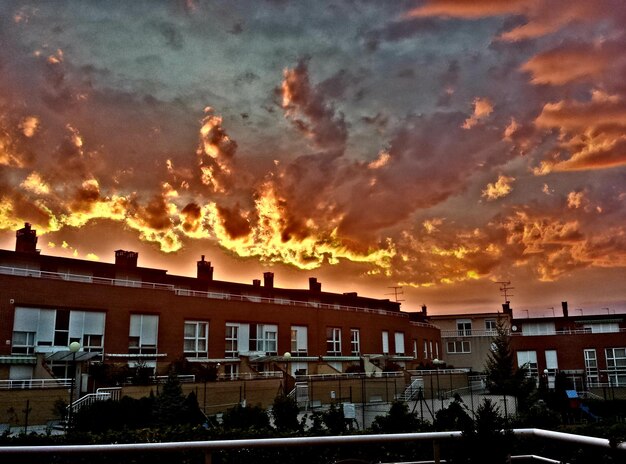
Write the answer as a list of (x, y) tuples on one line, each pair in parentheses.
[(67, 355), (18, 359)]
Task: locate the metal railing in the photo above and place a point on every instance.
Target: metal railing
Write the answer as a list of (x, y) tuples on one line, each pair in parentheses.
[(209, 447), (30, 384), (20, 272), (467, 333), (567, 332), (349, 375)]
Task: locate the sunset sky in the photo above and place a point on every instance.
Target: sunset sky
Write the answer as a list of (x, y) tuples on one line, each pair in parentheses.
[(440, 146)]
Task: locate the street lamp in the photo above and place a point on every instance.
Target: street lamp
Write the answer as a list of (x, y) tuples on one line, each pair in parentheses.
[(287, 358), (437, 362), (73, 347)]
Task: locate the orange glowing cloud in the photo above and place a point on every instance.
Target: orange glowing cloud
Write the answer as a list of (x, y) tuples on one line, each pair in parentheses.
[(470, 9), (501, 188), (482, 108), (592, 132)]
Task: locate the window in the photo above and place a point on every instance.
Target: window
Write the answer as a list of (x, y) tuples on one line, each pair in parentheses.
[(425, 349), (437, 350), (263, 337), (299, 340), (231, 371), (616, 366), (355, 342), (232, 340), (602, 327), (333, 341), (552, 366), (62, 328), (23, 342), (196, 341), (399, 343), (414, 349), (459, 347), (430, 349), (490, 325), (464, 327), (143, 334), (591, 366), (538, 328), (529, 359), (385, 342), (48, 328)]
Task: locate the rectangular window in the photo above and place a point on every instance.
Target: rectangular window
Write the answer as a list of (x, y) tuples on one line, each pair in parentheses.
[(459, 347), (414, 349), (62, 328), (490, 325), (591, 366), (616, 366), (464, 327), (23, 342), (333, 341), (552, 365), (385, 342), (399, 343), (602, 327), (143, 334), (538, 328), (232, 340), (299, 345), (528, 359), (425, 349), (196, 339), (355, 342), (263, 338), (231, 371)]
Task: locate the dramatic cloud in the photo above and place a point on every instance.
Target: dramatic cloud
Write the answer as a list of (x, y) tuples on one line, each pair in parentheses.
[(373, 151)]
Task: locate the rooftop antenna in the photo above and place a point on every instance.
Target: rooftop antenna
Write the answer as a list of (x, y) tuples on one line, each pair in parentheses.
[(504, 288), (396, 292)]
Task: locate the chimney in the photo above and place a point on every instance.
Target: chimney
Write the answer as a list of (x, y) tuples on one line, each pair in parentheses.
[(256, 283), (424, 311), (506, 309), (565, 311), (125, 258), (26, 240), (268, 279), (314, 285), (351, 294), (205, 270)]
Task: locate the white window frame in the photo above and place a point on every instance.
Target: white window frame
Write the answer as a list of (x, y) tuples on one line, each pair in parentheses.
[(528, 358), (333, 341), (231, 336), (140, 332), (616, 366), (299, 342), (399, 343), (385, 341), (266, 339), (464, 327), (196, 339), (459, 347), (491, 326), (355, 342), (591, 366)]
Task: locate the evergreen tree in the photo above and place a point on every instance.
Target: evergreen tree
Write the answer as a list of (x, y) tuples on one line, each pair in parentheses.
[(285, 413), (169, 405), (502, 375)]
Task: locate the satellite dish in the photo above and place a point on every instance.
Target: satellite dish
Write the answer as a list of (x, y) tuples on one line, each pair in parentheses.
[(514, 328)]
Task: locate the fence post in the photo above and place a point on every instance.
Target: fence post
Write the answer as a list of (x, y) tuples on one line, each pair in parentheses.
[(208, 459), (436, 452)]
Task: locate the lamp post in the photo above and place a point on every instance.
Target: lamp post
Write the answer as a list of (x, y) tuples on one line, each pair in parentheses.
[(287, 358), (437, 362), (73, 347)]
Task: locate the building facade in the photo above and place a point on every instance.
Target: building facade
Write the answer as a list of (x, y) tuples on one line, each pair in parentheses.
[(122, 313), (589, 349)]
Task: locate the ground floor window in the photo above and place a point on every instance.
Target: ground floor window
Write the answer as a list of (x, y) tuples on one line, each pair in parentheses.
[(463, 346)]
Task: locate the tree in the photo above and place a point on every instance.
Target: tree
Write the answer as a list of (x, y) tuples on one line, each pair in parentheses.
[(398, 420), (285, 414), (169, 406), (246, 418), (503, 377)]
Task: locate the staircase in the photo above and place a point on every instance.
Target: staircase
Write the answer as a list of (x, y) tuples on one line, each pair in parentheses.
[(416, 385)]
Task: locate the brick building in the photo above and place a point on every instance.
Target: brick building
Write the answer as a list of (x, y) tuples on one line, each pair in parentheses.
[(589, 349), (124, 313)]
